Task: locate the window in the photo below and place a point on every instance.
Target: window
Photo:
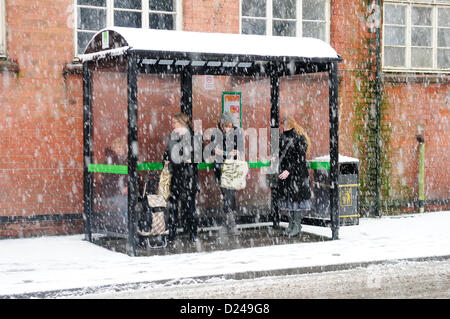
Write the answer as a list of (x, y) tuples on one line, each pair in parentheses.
[(93, 15), (416, 35), (2, 29), (291, 18)]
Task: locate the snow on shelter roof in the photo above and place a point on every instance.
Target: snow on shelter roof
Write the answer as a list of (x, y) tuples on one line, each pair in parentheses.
[(118, 40)]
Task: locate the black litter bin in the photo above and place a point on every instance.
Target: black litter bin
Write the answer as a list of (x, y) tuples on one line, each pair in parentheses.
[(348, 191)]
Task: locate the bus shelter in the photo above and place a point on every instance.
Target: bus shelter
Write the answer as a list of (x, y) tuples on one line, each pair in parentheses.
[(117, 63)]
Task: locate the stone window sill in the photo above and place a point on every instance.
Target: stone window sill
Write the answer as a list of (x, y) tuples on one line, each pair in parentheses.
[(392, 77)]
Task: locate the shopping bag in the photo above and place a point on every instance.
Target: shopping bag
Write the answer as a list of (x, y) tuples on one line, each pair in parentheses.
[(233, 174), (164, 183)]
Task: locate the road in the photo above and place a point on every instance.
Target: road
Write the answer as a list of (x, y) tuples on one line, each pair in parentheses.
[(418, 280)]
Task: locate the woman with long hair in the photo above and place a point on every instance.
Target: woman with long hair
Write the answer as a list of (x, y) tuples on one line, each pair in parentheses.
[(293, 191), (179, 156)]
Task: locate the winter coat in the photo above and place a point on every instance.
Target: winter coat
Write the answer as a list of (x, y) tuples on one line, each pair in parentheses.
[(236, 144), (184, 174), (293, 159)]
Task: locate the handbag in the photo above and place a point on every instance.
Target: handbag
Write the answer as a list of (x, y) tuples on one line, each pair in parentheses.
[(164, 183), (234, 174)]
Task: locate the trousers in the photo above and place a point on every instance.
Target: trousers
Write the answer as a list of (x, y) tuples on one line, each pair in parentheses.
[(229, 200)]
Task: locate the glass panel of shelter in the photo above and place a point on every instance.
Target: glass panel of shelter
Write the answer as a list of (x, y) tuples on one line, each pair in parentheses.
[(305, 97), (158, 99), (109, 152), (255, 118)]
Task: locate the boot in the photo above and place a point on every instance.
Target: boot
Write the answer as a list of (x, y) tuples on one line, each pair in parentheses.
[(295, 224), (193, 232), (172, 229), (290, 216)]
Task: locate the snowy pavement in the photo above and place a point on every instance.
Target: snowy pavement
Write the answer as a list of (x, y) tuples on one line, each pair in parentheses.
[(58, 263)]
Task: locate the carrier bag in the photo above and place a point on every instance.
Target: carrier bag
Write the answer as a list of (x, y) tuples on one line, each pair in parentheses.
[(234, 174), (164, 183)]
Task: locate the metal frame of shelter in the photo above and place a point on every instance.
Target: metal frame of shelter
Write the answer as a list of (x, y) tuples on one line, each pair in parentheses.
[(112, 45)]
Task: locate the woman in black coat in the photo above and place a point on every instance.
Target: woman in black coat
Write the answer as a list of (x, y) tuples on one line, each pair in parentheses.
[(293, 192), (179, 156)]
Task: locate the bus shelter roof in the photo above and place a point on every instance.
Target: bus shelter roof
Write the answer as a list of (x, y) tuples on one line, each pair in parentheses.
[(212, 49)]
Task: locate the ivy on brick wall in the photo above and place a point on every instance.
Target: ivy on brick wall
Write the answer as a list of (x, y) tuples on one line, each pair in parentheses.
[(370, 128)]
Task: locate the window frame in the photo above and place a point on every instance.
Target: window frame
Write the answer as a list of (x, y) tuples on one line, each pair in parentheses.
[(110, 16), (299, 19), (408, 68), (2, 29)]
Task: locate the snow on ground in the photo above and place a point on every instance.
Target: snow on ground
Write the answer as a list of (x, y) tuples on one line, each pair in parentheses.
[(65, 262)]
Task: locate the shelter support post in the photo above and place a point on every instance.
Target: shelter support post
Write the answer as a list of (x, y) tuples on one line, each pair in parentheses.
[(186, 92), (87, 150), (274, 124), (334, 150), (133, 177)]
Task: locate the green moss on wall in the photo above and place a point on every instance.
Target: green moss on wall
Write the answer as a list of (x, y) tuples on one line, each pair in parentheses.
[(370, 128)]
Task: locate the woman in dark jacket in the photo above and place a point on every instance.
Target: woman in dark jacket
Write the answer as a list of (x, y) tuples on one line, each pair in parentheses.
[(179, 156), (293, 191), (229, 145)]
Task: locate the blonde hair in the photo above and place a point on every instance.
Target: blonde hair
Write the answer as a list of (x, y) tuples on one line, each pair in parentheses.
[(119, 142), (291, 123), (183, 118), (119, 145)]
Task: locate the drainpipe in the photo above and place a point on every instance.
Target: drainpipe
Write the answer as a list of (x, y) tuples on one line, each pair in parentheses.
[(421, 141)]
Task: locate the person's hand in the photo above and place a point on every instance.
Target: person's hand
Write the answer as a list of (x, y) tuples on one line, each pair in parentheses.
[(125, 190), (233, 153), (218, 151), (283, 175)]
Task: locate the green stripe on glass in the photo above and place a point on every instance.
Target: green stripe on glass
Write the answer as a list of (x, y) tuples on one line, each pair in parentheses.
[(123, 169), (150, 166), (319, 165), (105, 168), (259, 164)]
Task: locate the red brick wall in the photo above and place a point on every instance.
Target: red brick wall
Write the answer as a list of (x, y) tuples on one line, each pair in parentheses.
[(348, 32), (41, 126), (211, 16), (412, 105), (410, 101), (41, 162)]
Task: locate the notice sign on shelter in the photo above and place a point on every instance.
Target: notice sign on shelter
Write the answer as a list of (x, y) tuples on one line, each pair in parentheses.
[(231, 102), (208, 82)]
